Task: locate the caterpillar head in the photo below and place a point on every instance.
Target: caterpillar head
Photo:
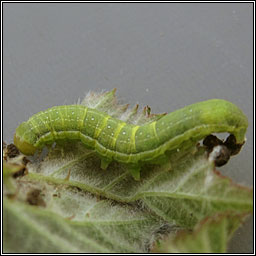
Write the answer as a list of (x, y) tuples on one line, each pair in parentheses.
[(24, 139)]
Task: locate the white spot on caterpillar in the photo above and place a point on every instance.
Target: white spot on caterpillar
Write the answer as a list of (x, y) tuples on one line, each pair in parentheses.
[(92, 118), (73, 113), (108, 126), (148, 136), (140, 133), (191, 110), (124, 133), (178, 150), (112, 134)]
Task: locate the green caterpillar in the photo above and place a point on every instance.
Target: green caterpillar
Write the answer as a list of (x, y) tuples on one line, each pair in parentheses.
[(126, 143)]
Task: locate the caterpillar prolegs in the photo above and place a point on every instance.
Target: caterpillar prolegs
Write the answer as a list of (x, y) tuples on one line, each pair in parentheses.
[(127, 143)]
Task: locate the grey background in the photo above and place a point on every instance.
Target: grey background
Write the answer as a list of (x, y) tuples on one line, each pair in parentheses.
[(165, 55)]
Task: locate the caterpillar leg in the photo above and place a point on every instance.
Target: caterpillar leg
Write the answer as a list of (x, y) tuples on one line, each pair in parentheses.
[(105, 163), (135, 171)]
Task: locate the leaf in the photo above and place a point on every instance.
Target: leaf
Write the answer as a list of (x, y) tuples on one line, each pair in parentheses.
[(65, 203), (87, 209), (108, 103), (10, 171), (209, 236), (44, 217), (91, 226), (182, 195)]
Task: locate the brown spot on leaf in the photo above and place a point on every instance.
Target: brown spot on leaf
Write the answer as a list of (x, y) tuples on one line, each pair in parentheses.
[(12, 151), (34, 197), (20, 173)]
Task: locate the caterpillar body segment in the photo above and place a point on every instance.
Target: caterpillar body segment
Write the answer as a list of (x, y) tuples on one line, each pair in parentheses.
[(126, 143)]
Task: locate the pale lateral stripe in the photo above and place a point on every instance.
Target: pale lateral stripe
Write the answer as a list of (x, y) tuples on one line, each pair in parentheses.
[(35, 125), (117, 131), (133, 141), (99, 129), (82, 120), (46, 124), (154, 129), (61, 116), (53, 133)]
